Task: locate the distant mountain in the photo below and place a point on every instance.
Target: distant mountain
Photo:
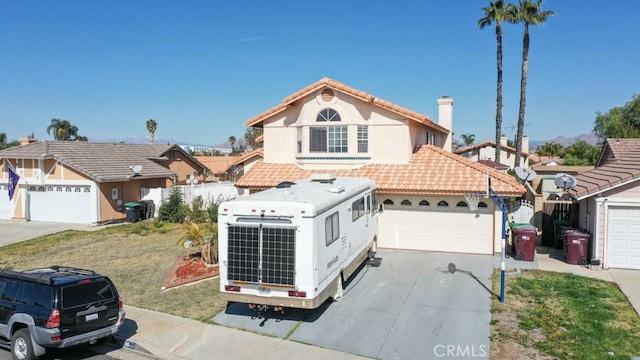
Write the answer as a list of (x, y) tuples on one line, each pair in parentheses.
[(145, 140), (565, 141)]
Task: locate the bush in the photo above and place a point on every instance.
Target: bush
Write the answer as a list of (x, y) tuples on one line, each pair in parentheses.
[(174, 210), (212, 212), (197, 213)]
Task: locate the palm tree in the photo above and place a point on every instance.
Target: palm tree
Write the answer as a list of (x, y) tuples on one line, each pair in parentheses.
[(468, 139), (528, 13), (152, 125), (497, 12), (232, 141), (63, 130)]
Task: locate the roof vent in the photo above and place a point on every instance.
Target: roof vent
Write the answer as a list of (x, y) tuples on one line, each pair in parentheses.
[(323, 177), (285, 184)]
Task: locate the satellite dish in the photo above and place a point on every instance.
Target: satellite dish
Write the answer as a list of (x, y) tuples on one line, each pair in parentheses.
[(136, 169), (524, 174), (565, 181)]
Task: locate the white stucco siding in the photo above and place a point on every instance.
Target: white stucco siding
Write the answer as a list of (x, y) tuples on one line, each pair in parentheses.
[(433, 228), (6, 208), (280, 144)]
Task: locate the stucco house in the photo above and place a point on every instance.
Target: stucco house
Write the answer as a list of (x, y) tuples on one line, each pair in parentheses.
[(331, 127), (86, 182), (228, 168), (486, 150), (609, 204)]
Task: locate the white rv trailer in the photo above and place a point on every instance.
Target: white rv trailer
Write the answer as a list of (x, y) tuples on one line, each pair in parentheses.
[(295, 244)]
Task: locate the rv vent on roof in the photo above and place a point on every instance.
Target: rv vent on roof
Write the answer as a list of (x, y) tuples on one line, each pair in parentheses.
[(336, 190), (285, 184), (323, 177)]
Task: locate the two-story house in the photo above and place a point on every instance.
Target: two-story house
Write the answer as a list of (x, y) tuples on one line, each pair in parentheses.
[(486, 150), (331, 127)]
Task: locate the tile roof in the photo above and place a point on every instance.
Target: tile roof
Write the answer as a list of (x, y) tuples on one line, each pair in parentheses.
[(100, 161), (431, 171), (493, 164), (488, 143), (338, 86), (218, 164), (259, 152), (619, 148), (620, 167)]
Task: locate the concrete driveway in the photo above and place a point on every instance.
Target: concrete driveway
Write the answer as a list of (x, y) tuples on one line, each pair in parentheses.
[(16, 231), (410, 307)]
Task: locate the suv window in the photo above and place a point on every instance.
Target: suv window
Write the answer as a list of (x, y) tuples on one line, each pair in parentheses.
[(35, 295), (86, 293), (10, 291)]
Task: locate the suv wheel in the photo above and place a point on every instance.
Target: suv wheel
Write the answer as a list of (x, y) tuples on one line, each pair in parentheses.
[(21, 347)]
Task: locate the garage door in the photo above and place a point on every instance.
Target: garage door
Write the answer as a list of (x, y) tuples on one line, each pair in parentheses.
[(623, 238), (454, 230), (5, 204), (70, 204)]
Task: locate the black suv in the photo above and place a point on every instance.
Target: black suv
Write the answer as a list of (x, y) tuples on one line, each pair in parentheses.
[(56, 307)]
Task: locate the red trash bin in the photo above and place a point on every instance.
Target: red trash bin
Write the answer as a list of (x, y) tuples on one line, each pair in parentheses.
[(577, 243), (525, 241)]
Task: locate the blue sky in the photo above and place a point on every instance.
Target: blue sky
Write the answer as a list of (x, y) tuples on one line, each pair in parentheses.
[(202, 68)]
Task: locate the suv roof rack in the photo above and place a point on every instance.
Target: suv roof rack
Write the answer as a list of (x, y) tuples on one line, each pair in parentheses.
[(48, 275)]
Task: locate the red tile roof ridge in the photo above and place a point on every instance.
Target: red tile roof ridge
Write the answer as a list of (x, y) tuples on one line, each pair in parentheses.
[(488, 143), (336, 85)]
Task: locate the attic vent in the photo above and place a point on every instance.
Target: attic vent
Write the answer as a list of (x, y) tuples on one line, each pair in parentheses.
[(323, 178), (327, 95)]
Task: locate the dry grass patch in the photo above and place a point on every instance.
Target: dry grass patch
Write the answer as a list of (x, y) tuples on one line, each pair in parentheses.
[(137, 257)]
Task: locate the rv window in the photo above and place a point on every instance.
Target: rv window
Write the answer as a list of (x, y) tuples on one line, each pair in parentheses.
[(332, 228), (264, 219), (357, 209)]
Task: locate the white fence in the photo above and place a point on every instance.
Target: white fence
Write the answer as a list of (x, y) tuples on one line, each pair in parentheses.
[(210, 193)]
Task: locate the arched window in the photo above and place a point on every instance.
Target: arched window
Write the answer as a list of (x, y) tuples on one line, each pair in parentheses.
[(482, 204), (461, 204), (424, 203), (406, 202), (328, 139), (443, 203), (328, 115), (388, 202)]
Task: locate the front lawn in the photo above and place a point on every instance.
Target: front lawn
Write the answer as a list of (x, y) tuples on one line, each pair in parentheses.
[(550, 315), (137, 257)]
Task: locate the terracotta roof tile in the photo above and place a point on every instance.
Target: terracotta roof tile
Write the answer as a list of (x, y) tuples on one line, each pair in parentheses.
[(430, 171), (218, 164), (335, 85), (249, 155), (488, 143)]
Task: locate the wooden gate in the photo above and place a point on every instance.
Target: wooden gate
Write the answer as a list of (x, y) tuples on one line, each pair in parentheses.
[(555, 216)]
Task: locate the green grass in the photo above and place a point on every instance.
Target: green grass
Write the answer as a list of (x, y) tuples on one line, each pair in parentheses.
[(137, 257), (567, 316)]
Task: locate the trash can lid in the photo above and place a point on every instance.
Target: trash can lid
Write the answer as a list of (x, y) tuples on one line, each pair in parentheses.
[(132, 204), (525, 229), (515, 225)]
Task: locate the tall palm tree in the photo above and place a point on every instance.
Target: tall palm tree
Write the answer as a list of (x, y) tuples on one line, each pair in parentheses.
[(498, 12), (152, 125), (61, 129), (527, 13), (232, 141)]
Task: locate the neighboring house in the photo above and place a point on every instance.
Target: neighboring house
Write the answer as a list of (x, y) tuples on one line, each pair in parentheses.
[(331, 127), (609, 198), (487, 151), (86, 182), (229, 168)]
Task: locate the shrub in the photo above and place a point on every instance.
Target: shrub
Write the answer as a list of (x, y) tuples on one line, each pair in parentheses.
[(197, 213), (174, 210), (212, 212)]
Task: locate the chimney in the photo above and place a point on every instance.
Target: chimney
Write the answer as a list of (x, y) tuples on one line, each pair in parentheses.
[(445, 119), (525, 144), (503, 141), (27, 140)]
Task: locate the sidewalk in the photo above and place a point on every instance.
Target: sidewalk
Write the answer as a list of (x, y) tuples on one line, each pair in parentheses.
[(151, 334)]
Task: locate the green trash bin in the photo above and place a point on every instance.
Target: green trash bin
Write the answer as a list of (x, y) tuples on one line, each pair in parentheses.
[(132, 209)]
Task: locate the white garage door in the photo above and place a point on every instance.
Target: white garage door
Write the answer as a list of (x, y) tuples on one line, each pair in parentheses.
[(5, 204), (623, 248), (69, 204), (454, 230)]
